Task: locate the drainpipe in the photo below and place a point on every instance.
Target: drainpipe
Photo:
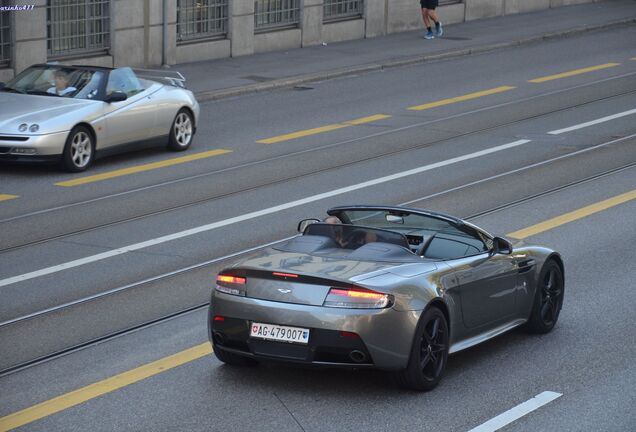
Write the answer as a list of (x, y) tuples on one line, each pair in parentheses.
[(164, 46), (146, 33)]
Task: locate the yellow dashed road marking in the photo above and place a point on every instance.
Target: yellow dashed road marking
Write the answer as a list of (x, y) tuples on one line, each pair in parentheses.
[(7, 197), (461, 98), (100, 388), (142, 168), (322, 129), (574, 215), (574, 72)]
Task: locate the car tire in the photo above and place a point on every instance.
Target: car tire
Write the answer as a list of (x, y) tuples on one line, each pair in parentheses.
[(429, 353), (548, 299), (79, 150), (233, 359), (182, 131)]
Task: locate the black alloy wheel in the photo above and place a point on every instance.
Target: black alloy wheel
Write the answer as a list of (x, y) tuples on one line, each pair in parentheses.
[(432, 348), (548, 299), (429, 353)]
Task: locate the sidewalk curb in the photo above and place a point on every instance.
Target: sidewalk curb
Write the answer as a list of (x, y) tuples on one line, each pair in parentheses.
[(372, 67)]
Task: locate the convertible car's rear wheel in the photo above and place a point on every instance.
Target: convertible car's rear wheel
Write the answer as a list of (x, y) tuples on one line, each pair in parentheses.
[(182, 131), (79, 150), (429, 353), (548, 299)]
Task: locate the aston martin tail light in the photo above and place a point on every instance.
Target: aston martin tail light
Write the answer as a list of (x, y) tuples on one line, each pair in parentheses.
[(357, 298), (230, 284), (228, 279)]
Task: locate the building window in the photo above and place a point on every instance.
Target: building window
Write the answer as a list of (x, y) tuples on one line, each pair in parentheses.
[(5, 38), (335, 10), (276, 14), (77, 27), (201, 19)]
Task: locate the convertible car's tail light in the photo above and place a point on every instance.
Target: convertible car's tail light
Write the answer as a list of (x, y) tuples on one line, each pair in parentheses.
[(229, 284), (357, 298), (230, 279)]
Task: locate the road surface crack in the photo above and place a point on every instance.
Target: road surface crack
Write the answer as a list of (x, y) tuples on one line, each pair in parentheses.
[(290, 413)]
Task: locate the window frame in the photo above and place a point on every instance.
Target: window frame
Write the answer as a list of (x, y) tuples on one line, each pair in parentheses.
[(262, 25), (184, 38), (342, 16), (7, 26), (91, 43)]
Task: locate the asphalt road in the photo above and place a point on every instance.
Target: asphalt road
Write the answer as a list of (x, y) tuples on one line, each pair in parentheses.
[(256, 193)]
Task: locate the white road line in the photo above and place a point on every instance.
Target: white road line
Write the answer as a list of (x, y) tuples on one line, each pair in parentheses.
[(517, 412), (593, 122), (253, 215), (144, 281), (518, 170)]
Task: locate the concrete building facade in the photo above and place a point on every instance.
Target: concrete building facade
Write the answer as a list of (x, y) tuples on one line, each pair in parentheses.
[(149, 33)]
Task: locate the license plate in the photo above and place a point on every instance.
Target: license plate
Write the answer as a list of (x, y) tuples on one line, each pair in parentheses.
[(279, 333)]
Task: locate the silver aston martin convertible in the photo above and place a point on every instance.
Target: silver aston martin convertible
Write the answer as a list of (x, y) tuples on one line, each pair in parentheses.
[(73, 113), (382, 287)]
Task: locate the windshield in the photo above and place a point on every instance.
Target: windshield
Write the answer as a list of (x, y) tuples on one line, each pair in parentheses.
[(396, 221), (57, 81), (420, 229)]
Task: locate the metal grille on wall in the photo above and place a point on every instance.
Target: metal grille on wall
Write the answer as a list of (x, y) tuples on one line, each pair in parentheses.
[(5, 38), (274, 14), (201, 19), (342, 9), (77, 27)]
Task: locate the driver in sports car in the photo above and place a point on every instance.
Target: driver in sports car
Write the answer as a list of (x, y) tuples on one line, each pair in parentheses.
[(61, 87), (355, 240)]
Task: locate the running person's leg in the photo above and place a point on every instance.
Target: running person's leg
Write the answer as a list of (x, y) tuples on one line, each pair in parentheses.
[(431, 5), (425, 15)]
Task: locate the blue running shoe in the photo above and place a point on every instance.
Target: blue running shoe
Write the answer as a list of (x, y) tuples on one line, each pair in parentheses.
[(439, 30), (429, 35)]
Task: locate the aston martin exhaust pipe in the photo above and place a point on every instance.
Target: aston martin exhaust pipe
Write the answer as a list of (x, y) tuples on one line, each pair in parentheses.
[(357, 356), (219, 338)]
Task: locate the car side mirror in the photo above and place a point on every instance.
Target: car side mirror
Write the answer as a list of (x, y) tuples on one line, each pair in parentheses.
[(501, 245), (303, 224), (116, 96)]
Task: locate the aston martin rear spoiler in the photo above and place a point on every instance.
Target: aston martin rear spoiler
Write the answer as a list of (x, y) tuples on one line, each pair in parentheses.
[(172, 78)]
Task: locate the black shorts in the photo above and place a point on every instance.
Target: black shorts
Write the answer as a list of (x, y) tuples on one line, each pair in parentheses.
[(429, 4)]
